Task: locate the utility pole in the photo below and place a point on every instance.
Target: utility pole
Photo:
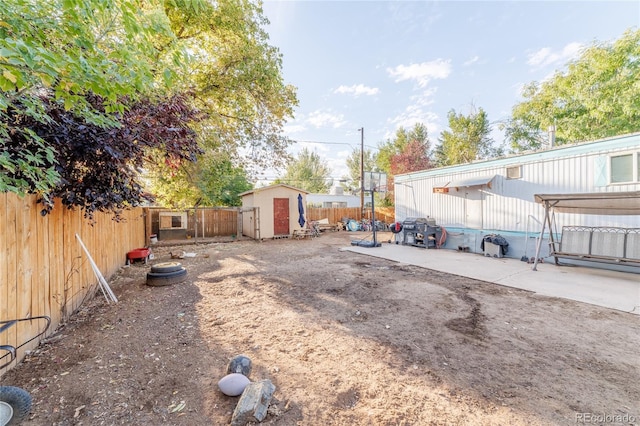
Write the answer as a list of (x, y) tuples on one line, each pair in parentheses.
[(361, 130)]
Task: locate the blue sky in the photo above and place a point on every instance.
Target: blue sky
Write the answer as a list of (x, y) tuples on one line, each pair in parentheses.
[(379, 65)]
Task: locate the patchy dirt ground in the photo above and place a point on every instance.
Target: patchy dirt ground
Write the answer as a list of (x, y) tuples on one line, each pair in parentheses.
[(347, 339)]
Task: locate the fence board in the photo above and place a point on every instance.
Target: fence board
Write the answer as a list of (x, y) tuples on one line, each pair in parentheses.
[(386, 214), (70, 263), (210, 221), (12, 268), (44, 265), (43, 270), (57, 275), (4, 289), (335, 215)]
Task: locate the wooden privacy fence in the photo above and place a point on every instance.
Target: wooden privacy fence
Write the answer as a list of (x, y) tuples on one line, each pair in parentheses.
[(43, 269), (335, 215), (202, 222), (210, 222)]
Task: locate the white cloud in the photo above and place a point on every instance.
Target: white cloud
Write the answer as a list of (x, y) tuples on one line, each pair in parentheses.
[(357, 90), (421, 73), (414, 114), (343, 154), (320, 119), (424, 98), (294, 128), (472, 61), (546, 56), (311, 146)]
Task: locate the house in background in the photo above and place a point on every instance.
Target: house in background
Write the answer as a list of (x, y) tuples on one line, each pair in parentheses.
[(336, 198), (271, 211), (498, 196)]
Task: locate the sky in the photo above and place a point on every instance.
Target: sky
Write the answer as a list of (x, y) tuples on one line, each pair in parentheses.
[(381, 65)]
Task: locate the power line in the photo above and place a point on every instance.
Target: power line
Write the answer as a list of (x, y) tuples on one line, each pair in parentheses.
[(321, 142), (303, 180), (333, 143)]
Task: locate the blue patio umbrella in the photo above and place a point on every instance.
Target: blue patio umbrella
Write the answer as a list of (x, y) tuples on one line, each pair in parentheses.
[(301, 220)]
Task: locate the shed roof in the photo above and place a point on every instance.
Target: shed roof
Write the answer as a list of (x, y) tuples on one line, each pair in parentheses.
[(266, 188), (604, 203)]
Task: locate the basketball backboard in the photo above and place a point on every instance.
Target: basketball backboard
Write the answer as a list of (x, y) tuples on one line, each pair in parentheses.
[(375, 181)]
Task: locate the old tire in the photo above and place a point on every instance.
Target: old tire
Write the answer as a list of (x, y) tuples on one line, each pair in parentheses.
[(15, 405), (166, 267), (158, 280)]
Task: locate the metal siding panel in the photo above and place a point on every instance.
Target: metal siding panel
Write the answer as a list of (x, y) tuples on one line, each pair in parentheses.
[(509, 204)]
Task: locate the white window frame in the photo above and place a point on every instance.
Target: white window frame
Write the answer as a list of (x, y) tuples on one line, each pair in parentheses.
[(172, 215), (635, 167)]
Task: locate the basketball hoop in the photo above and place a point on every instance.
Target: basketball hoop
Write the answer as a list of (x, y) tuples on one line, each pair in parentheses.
[(375, 181)]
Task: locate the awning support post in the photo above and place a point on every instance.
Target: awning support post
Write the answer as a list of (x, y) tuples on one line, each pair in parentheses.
[(544, 223)]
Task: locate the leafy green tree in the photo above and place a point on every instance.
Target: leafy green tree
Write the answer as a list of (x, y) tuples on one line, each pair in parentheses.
[(234, 76), (597, 96), (352, 181), (92, 61), (69, 53), (309, 172), (221, 182), (211, 181), (468, 139)]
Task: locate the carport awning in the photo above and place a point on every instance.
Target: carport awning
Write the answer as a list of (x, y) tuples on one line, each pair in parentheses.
[(604, 203), (465, 183)]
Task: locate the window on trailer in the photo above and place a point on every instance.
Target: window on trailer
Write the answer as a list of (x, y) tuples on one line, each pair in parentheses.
[(622, 168)]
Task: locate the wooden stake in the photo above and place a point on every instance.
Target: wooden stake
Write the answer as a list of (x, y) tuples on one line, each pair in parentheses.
[(104, 286)]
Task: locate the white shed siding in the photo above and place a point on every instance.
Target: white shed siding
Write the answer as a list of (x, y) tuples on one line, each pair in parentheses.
[(508, 205), (263, 199)]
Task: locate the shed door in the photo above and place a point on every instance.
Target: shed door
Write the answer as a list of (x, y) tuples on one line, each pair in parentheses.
[(280, 216)]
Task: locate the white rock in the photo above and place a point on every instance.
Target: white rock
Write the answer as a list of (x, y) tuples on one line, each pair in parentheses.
[(233, 384)]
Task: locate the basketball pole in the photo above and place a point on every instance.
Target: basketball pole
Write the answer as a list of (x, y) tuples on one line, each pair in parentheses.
[(373, 214)]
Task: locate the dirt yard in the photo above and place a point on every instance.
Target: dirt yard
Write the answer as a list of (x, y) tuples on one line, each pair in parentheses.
[(347, 339)]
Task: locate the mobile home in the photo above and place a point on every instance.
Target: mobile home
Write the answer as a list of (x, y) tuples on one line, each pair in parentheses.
[(498, 196)]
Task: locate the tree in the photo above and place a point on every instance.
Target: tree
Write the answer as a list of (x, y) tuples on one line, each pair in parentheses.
[(392, 147), (98, 168), (597, 96), (407, 152), (221, 183), (86, 57), (414, 157), (234, 76), (467, 140), (353, 163), (210, 181), (308, 172), (92, 61)]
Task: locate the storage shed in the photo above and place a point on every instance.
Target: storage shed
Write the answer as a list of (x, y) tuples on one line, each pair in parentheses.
[(276, 211)]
